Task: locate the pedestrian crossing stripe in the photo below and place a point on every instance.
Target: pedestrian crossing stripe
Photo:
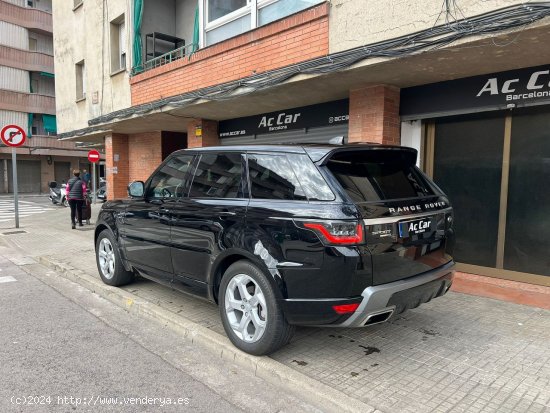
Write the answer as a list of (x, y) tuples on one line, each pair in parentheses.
[(7, 279), (26, 209)]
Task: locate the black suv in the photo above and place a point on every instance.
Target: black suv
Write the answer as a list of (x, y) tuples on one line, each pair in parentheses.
[(280, 236)]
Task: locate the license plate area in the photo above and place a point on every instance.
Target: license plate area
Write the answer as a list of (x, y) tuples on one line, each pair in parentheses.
[(418, 226)]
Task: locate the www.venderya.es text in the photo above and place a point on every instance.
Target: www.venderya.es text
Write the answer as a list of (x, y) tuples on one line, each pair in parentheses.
[(95, 400)]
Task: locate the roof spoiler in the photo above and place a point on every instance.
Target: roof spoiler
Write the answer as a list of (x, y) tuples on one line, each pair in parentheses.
[(374, 150)]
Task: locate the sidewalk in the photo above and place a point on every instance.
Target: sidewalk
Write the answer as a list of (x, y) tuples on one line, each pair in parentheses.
[(457, 353)]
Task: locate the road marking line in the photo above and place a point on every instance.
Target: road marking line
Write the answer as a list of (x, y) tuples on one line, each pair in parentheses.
[(8, 279)]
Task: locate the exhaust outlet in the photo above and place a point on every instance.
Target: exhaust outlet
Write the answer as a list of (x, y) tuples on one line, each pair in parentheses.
[(378, 318)]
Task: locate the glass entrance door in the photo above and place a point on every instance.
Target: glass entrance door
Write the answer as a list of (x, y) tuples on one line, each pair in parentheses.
[(527, 244), (495, 168), (468, 168)]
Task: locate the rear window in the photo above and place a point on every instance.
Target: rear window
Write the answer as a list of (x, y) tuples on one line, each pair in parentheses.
[(378, 175)]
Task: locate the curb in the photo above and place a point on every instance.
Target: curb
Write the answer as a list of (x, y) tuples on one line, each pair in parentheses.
[(264, 367)]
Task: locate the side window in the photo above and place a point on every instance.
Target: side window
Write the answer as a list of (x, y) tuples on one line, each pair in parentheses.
[(218, 176), (271, 177), (169, 181), (313, 183)]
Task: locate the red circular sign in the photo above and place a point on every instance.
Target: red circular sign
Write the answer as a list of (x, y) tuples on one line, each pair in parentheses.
[(13, 135), (93, 156)]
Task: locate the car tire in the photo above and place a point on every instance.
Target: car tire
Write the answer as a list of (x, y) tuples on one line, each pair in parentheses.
[(109, 261), (255, 322)]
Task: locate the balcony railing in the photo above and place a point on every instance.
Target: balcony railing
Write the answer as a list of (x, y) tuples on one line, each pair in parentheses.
[(50, 142), (164, 59), (26, 102), (26, 17), (25, 59)]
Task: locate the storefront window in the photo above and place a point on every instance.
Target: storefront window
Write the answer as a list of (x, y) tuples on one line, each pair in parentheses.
[(527, 242), (468, 168)]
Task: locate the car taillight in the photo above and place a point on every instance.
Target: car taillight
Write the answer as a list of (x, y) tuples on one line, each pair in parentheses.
[(338, 233), (345, 308)]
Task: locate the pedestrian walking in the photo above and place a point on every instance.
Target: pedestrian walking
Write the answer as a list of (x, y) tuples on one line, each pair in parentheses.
[(86, 177), (76, 192)]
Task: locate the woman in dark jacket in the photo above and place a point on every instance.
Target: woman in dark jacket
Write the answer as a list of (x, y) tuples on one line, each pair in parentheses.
[(76, 190)]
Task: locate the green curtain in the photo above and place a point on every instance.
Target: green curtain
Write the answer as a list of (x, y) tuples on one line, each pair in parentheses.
[(29, 129), (196, 29), (50, 123), (137, 46)]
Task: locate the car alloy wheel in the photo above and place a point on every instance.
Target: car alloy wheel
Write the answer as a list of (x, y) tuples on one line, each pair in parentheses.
[(246, 308), (107, 258)]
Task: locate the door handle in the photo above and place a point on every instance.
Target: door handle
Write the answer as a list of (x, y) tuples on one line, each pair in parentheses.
[(227, 214)]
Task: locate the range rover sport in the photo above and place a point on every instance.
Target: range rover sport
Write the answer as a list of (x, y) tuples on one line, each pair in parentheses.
[(279, 236)]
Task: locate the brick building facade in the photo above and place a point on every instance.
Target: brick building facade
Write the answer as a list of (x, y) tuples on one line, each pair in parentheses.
[(349, 66)]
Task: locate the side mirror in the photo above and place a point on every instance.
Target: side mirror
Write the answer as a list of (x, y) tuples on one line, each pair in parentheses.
[(136, 189)]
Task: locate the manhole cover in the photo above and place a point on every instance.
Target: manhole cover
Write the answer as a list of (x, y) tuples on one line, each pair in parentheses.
[(14, 232)]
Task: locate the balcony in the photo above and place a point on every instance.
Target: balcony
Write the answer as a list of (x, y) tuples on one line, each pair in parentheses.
[(25, 60), (26, 17), (296, 38), (26, 102)]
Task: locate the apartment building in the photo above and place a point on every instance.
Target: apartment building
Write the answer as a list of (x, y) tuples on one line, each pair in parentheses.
[(27, 97), (467, 83)]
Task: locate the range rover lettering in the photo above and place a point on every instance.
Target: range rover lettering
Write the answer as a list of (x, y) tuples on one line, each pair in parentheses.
[(280, 236)]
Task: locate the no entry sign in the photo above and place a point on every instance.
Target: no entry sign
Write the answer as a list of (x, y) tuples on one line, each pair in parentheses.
[(13, 135), (93, 156)]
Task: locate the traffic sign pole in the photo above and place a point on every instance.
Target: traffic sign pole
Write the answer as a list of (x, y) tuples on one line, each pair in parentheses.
[(94, 185), (14, 136), (93, 157), (15, 188)]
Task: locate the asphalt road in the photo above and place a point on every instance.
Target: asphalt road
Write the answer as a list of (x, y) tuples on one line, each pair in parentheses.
[(76, 351)]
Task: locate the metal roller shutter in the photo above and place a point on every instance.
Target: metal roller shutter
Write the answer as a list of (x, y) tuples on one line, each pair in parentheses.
[(28, 176), (3, 163), (312, 135), (62, 172)]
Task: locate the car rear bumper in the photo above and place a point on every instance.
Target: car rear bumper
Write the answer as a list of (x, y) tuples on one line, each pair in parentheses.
[(382, 301), (376, 304)]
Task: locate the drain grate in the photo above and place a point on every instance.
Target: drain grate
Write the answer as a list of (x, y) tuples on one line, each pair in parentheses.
[(14, 232)]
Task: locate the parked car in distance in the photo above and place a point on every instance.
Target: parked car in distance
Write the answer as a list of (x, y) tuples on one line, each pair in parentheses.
[(102, 191), (280, 236)]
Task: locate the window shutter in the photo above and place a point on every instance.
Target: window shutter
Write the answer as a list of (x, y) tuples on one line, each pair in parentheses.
[(122, 44), (83, 80), (122, 37)]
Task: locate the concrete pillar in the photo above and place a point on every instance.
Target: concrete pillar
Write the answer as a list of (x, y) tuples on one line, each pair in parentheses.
[(117, 165), (374, 115), (202, 132)]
